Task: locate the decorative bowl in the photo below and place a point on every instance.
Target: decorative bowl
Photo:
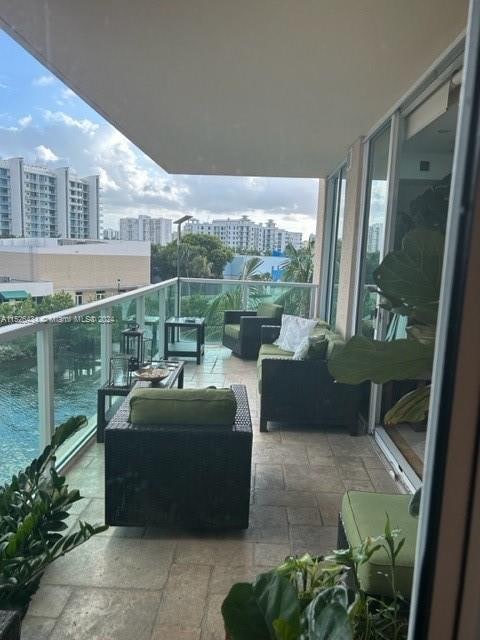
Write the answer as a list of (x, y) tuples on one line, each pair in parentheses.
[(152, 374)]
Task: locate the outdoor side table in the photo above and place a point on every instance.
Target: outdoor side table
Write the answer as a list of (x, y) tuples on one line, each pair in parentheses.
[(176, 376), (180, 348)]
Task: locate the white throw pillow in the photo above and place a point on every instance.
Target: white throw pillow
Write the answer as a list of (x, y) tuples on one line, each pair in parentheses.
[(302, 349), (293, 330)]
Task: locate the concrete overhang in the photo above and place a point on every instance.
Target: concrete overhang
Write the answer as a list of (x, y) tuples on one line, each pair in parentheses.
[(259, 87)]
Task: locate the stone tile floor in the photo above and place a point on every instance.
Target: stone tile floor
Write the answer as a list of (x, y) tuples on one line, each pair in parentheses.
[(138, 584)]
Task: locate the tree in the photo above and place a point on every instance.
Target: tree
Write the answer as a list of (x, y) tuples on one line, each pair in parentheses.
[(299, 267), (201, 256), (56, 302)]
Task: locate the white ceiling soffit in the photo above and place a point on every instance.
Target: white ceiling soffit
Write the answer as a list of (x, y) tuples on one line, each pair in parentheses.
[(270, 87)]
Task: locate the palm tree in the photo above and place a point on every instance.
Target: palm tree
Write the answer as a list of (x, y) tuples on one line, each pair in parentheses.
[(299, 266)]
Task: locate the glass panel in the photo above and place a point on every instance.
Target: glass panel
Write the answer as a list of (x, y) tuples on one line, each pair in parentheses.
[(295, 300), (336, 245), (211, 299), (77, 375), (376, 212), (123, 314), (152, 326), (19, 431)]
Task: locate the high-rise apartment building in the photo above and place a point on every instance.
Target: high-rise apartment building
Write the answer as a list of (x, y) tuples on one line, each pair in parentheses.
[(244, 234), (154, 230), (36, 202), (375, 237)]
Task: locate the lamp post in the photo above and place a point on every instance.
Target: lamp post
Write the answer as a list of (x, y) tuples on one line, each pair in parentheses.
[(179, 223)]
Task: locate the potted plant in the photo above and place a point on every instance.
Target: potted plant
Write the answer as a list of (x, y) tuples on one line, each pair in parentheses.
[(34, 507), (409, 282), (319, 599)]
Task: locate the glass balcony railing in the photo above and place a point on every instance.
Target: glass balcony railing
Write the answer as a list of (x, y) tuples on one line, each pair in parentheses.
[(51, 367)]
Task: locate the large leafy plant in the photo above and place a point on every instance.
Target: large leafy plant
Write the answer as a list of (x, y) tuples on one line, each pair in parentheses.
[(319, 599), (34, 507), (408, 282)]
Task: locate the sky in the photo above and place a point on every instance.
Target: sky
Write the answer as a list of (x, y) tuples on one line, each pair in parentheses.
[(42, 120)]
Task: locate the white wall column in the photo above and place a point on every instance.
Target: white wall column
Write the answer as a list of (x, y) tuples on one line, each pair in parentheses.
[(351, 241), (46, 416)]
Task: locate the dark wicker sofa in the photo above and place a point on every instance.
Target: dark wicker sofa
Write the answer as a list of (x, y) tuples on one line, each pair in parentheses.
[(302, 391), (241, 329), (191, 476)]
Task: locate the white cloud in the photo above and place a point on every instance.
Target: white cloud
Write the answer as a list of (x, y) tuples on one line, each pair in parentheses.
[(43, 81), (45, 154), (107, 183), (59, 117), (68, 94), (3, 86), (25, 121)]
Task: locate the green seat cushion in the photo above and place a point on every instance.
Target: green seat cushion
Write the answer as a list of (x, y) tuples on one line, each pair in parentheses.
[(363, 515), (270, 352), (182, 406), (232, 330), (269, 310), (317, 348)]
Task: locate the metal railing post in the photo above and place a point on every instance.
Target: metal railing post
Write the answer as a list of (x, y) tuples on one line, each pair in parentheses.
[(46, 415), (162, 304), (105, 346), (244, 295), (140, 312)]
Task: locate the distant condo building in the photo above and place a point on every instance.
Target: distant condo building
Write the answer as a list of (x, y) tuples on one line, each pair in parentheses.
[(154, 230), (375, 237), (111, 234), (36, 202), (244, 234)]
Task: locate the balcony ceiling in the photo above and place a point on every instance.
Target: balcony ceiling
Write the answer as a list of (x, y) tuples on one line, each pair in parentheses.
[(271, 88)]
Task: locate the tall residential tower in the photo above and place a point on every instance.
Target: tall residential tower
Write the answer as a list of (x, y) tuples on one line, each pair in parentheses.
[(36, 202)]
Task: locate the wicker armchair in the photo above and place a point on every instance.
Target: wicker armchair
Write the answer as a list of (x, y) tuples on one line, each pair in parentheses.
[(241, 329), (10, 623), (303, 391), (191, 476)]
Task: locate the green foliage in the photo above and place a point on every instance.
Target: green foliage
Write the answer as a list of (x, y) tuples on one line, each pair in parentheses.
[(309, 599), (299, 267), (409, 279), (412, 407), (409, 283), (28, 308), (201, 256), (365, 359), (33, 511)]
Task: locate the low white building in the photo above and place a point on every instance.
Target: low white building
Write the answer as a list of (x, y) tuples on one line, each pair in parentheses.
[(87, 269), (242, 234)]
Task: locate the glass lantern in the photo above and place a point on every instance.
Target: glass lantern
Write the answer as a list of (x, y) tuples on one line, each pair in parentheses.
[(132, 346), (119, 374)]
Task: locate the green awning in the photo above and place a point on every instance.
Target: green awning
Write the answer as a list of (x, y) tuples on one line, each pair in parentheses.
[(7, 296)]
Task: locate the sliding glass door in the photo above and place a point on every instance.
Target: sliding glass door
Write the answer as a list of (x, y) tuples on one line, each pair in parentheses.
[(374, 230), (424, 168), (337, 186)]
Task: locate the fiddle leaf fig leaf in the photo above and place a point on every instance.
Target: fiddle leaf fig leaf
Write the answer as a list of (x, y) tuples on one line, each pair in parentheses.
[(412, 275), (411, 408), (364, 359)]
